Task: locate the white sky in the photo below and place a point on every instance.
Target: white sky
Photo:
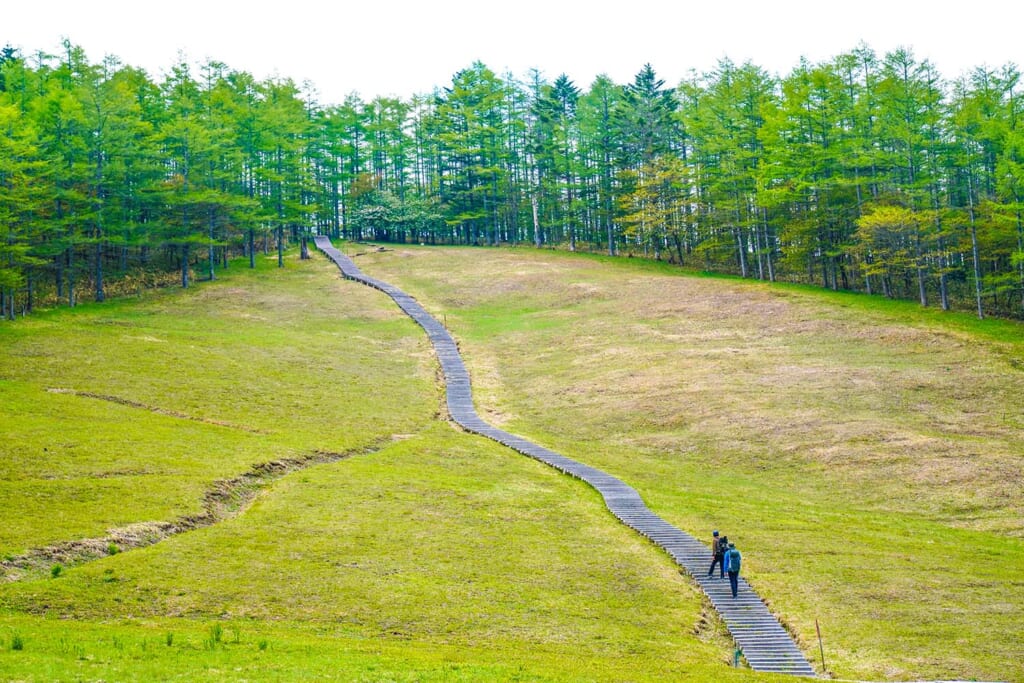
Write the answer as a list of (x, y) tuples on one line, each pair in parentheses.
[(397, 47)]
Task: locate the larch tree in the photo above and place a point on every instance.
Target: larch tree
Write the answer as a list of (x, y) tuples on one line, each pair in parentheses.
[(286, 125), (469, 114), (646, 128), (23, 191), (556, 147), (762, 176), (600, 139)]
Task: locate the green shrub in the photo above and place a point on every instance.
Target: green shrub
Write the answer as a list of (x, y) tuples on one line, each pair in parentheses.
[(216, 636)]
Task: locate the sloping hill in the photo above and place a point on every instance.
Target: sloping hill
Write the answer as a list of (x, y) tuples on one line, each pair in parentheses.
[(428, 554), (866, 456)]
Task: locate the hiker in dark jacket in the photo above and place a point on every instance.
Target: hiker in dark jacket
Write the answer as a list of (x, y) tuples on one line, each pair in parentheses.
[(734, 558), (719, 544)]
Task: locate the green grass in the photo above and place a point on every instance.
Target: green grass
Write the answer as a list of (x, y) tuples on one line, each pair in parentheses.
[(274, 651), (442, 556), (211, 381), (428, 554), (477, 526), (865, 454)]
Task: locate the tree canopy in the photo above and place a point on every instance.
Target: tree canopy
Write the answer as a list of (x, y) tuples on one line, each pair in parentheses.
[(863, 172)]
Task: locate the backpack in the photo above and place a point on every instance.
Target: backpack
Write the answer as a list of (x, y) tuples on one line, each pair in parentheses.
[(722, 545), (733, 559)]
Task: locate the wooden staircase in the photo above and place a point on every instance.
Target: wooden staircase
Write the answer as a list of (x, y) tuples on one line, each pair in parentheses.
[(766, 645)]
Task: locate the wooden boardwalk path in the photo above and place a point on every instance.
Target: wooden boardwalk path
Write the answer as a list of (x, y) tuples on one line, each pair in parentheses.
[(766, 645)]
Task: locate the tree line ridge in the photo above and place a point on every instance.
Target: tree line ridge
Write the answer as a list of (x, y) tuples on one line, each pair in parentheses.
[(864, 172)]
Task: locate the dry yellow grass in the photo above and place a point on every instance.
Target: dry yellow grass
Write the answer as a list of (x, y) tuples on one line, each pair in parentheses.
[(893, 442), (749, 371)]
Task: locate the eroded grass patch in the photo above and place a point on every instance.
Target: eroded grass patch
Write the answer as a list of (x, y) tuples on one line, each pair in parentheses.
[(440, 539), (224, 500), (127, 412)]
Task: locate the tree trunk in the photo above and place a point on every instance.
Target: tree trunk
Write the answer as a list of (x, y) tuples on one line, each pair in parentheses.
[(943, 275), (98, 254), (336, 211), (921, 292), (679, 246), (768, 247), (251, 247), (537, 241), (304, 255), (59, 275), (184, 266), (571, 229), (755, 233), (212, 249), (974, 245), (70, 271), (740, 249), (1020, 250)]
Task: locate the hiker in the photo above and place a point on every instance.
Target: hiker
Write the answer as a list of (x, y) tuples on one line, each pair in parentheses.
[(718, 547), (733, 560)]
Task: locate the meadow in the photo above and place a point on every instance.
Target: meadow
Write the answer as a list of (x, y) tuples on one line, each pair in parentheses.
[(412, 551), (864, 455), (127, 412)]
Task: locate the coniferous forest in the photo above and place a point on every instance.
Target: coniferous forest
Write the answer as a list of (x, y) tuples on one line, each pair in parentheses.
[(868, 172)]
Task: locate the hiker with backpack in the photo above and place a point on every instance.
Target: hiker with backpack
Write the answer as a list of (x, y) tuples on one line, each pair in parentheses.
[(719, 545), (732, 559)]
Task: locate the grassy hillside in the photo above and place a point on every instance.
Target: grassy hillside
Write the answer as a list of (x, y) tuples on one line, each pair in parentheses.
[(865, 455), (127, 412), (439, 539), (418, 553)]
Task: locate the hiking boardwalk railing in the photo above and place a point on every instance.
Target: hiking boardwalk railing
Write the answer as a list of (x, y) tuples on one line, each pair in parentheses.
[(766, 645)]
